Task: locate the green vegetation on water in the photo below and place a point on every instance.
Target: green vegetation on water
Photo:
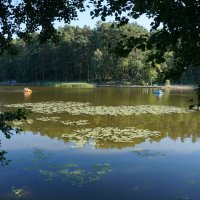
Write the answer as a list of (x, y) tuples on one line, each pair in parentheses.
[(74, 85), (79, 108), (81, 135), (68, 172), (110, 134)]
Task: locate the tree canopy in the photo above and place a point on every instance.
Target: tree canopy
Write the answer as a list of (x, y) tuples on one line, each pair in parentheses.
[(27, 16), (176, 25), (83, 54), (7, 130)]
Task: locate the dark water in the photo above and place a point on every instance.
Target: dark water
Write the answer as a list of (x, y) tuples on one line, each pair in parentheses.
[(42, 165)]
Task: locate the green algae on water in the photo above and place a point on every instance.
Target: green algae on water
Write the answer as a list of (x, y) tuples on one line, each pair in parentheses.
[(67, 123), (75, 175), (79, 108), (45, 119), (67, 172), (20, 193), (109, 134), (75, 123)]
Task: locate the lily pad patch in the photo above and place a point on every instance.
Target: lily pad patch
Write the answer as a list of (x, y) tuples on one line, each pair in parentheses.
[(109, 134), (79, 108)]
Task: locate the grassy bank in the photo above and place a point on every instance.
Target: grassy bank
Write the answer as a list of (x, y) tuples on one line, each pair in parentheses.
[(182, 87), (73, 85), (131, 84)]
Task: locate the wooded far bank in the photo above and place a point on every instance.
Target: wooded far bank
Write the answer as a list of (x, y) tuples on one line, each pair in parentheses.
[(91, 55)]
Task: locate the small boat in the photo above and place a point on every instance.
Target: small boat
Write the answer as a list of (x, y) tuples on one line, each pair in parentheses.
[(158, 92), (27, 90)]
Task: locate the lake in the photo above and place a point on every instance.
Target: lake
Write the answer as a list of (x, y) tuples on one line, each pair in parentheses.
[(101, 143)]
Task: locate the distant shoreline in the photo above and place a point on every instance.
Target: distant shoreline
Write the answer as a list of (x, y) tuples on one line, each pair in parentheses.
[(113, 84), (180, 87)]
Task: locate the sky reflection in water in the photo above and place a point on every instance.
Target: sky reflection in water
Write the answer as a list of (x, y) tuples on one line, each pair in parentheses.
[(49, 168)]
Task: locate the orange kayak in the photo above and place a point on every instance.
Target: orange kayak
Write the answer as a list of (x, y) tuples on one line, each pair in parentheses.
[(27, 90)]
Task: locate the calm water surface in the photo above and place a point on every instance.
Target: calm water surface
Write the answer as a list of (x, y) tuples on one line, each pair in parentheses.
[(41, 165)]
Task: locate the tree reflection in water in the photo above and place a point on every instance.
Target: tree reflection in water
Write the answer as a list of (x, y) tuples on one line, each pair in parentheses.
[(3, 160)]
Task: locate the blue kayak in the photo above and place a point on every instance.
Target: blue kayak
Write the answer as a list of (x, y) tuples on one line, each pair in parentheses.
[(158, 92)]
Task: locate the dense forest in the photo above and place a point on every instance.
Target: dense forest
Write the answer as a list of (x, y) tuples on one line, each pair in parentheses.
[(85, 54)]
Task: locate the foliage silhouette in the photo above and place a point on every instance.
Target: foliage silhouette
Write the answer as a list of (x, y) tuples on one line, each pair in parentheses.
[(27, 16), (197, 105), (175, 26), (7, 130)]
